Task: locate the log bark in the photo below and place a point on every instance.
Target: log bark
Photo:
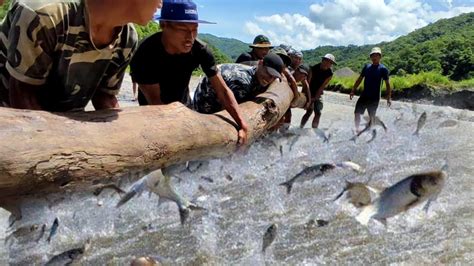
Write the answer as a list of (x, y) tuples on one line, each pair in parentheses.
[(42, 151)]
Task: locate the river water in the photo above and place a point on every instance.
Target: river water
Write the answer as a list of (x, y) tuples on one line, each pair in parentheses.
[(242, 198)]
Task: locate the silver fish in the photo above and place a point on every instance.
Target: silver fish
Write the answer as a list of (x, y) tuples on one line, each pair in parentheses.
[(374, 135), (322, 135), (67, 257), (148, 261), (309, 173), (54, 229), (351, 165), (421, 123), (404, 195), (159, 184), (448, 123), (359, 194), (269, 236)]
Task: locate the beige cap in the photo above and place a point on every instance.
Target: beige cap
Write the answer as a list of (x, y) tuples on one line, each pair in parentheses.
[(330, 57), (376, 50)]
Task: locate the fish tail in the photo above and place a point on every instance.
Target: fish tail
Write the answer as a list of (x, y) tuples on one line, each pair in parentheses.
[(137, 188), (183, 214), (195, 207), (288, 185), (365, 215)]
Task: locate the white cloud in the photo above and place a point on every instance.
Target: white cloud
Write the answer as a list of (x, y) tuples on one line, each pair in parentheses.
[(342, 22)]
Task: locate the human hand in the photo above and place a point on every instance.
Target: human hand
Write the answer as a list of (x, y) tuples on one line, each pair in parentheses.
[(242, 136), (351, 95), (389, 102)]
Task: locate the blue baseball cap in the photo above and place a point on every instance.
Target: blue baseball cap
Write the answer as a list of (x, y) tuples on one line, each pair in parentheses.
[(179, 11)]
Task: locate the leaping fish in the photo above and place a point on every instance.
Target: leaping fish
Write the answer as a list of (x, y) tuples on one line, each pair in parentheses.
[(404, 195), (159, 184)]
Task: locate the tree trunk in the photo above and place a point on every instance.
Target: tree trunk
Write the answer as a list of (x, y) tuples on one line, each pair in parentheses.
[(40, 151)]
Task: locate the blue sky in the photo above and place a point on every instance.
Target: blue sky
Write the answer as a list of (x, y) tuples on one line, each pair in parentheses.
[(307, 24)]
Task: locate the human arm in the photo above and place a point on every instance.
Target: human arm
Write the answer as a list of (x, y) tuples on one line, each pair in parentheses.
[(321, 88), (227, 99), (23, 95), (291, 82), (102, 100), (152, 93), (356, 85)]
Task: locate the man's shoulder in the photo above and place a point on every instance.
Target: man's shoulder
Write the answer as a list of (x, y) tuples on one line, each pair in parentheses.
[(245, 56), (231, 70)]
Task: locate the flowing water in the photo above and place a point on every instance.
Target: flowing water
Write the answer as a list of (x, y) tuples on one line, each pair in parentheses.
[(242, 199)]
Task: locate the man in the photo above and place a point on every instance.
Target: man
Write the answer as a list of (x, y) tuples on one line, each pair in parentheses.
[(319, 78), (296, 58), (370, 97), (164, 62), (59, 56), (260, 48), (246, 82)]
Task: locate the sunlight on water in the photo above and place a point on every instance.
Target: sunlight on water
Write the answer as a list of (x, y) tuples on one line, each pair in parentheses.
[(242, 198)]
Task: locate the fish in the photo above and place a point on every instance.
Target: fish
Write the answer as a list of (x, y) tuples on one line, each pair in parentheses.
[(229, 177), (351, 165), (309, 173), (293, 141), (374, 135), (193, 166), (159, 184), (420, 124), (322, 135), (208, 179), (448, 123), (53, 230), (404, 195), (371, 123), (22, 232), (359, 194), (41, 234), (67, 257), (147, 261), (269, 236), (99, 190)]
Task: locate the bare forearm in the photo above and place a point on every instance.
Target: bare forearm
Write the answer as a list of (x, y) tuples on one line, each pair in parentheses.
[(23, 96), (357, 83), (389, 89), (321, 88), (102, 101), (226, 97)]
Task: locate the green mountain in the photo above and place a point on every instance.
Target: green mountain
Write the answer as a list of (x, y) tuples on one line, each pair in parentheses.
[(445, 46), (231, 47)]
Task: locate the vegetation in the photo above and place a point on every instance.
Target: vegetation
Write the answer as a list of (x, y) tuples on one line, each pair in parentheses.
[(400, 83), (230, 47), (4, 9), (444, 47)]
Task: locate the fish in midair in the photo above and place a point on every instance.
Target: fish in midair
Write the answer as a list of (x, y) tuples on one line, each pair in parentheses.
[(67, 257), (159, 184), (322, 135), (421, 123), (99, 190), (374, 135), (404, 195), (359, 194), (269, 236), (448, 123), (309, 173), (370, 124), (54, 229), (351, 165)]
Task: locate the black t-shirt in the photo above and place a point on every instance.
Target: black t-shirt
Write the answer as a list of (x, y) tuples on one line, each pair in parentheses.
[(151, 64), (246, 57), (318, 76)]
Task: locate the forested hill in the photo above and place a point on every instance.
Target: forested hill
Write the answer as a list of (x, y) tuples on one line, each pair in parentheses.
[(231, 47), (445, 46)]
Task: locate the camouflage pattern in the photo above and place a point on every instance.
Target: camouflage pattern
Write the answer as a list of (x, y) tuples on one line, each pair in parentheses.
[(242, 81), (48, 45)]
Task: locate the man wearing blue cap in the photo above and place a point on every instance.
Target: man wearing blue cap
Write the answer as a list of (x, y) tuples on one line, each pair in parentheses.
[(59, 55), (164, 62)]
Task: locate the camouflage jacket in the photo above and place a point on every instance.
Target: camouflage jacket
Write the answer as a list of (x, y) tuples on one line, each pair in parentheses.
[(49, 46), (241, 80)]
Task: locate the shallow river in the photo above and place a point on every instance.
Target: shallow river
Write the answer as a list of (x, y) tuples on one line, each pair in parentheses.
[(242, 198)]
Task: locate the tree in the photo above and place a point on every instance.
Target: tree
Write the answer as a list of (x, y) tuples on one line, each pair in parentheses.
[(4, 9)]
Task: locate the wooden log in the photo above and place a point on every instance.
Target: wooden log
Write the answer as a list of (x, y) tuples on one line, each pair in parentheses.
[(42, 151)]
